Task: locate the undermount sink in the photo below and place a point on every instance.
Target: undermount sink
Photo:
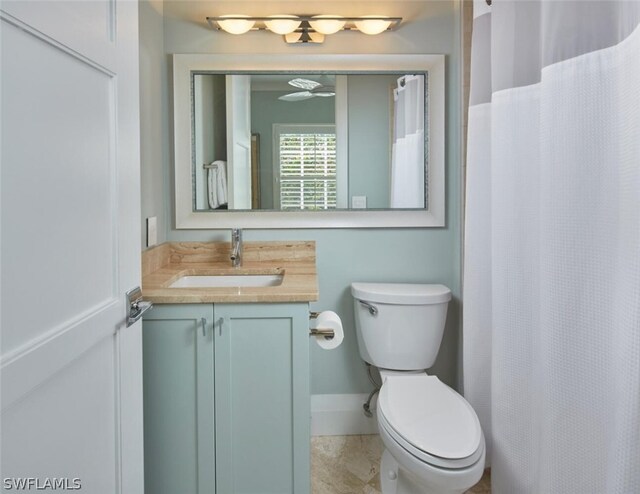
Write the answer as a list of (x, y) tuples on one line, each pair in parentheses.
[(224, 280)]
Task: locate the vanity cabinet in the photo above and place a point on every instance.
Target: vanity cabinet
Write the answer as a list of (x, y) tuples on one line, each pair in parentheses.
[(227, 400)]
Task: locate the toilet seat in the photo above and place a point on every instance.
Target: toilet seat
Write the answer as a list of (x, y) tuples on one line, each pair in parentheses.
[(430, 421)]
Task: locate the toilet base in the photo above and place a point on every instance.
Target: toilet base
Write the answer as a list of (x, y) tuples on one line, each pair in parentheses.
[(395, 480)]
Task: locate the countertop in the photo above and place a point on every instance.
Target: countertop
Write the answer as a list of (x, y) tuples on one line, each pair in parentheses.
[(164, 264)]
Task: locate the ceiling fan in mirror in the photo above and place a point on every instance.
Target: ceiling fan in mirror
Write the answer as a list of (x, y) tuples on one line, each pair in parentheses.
[(309, 89)]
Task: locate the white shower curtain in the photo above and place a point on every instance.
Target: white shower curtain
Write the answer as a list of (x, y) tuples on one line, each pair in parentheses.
[(552, 244), (407, 154)]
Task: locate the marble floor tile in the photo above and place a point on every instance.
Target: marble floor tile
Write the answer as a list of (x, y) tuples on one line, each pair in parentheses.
[(350, 465)]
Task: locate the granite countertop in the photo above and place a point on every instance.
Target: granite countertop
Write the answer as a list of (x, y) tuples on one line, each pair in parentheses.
[(166, 263)]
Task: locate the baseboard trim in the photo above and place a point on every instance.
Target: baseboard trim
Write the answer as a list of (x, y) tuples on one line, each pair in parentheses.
[(341, 415)]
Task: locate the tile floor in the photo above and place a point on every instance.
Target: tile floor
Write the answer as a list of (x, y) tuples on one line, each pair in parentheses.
[(349, 465)]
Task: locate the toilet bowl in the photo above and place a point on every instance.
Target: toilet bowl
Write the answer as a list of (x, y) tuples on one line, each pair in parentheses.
[(432, 437)]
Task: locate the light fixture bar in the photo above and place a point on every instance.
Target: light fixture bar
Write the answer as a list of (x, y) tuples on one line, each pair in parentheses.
[(350, 22)]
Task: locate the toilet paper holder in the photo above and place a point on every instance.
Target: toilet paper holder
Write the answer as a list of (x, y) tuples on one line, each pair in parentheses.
[(327, 333)]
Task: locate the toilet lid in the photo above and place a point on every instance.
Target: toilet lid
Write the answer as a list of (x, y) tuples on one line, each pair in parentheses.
[(430, 416), (401, 293)]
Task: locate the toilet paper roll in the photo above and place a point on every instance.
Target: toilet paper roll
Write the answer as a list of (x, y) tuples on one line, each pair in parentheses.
[(329, 320)]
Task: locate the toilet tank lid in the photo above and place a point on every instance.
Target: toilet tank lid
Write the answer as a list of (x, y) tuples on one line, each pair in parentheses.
[(401, 293)]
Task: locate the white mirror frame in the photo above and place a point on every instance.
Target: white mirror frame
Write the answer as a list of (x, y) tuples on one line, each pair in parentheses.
[(432, 216)]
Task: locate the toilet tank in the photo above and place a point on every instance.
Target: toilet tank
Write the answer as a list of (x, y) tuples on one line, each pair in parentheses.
[(399, 326)]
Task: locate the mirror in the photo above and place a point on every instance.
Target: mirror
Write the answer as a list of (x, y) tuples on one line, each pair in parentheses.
[(295, 161), (269, 141)]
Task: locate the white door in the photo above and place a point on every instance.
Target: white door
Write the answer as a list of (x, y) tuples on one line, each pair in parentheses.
[(70, 371), (238, 88)]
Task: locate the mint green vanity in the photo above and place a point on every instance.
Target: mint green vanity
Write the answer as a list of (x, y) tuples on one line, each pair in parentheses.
[(226, 398), (226, 368)]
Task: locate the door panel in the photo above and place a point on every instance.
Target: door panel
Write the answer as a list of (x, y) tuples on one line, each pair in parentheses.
[(70, 370), (66, 419), (55, 241), (88, 28)]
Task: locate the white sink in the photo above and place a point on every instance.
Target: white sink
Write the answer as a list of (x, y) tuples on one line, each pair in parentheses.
[(223, 280)]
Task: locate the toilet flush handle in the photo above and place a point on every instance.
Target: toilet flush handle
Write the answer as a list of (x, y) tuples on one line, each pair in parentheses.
[(373, 310)]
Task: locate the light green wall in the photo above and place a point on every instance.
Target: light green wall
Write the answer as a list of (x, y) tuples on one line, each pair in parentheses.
[(266, 110), (153, 118), (370, 115), (344, 256)]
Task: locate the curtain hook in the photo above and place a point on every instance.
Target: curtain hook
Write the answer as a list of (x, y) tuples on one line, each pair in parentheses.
[(489, 2)]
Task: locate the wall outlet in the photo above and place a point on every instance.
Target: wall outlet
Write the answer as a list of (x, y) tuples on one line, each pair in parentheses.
[(359, 202), (152, 231)]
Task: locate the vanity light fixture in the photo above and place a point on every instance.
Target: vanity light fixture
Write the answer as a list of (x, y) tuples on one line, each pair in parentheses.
[(304, 28), (372, 24), (283, 24), (235, 24), (327, 24)]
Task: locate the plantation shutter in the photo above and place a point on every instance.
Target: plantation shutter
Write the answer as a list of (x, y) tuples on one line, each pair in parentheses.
[(308, 177)]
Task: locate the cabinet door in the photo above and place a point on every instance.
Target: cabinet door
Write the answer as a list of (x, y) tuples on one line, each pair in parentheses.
[(178, 399), (262, 398)]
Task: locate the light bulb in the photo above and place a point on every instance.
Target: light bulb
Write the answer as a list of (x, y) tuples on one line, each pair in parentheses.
[(372, 26), (283, 26), (327, 26), (234, 25)]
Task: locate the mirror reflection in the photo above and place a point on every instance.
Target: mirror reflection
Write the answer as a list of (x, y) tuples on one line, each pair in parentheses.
[(308, 141)]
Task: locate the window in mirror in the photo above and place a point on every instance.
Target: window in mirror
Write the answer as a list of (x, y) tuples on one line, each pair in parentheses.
[(306, 159)]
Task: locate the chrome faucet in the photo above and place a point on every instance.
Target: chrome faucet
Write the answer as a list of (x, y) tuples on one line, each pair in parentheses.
[(236, 247)]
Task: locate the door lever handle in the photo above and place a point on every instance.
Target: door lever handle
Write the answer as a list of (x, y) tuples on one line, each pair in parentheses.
[(135, 305)]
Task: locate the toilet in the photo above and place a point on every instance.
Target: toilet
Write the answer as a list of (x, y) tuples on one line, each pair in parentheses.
[(432, 437)]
